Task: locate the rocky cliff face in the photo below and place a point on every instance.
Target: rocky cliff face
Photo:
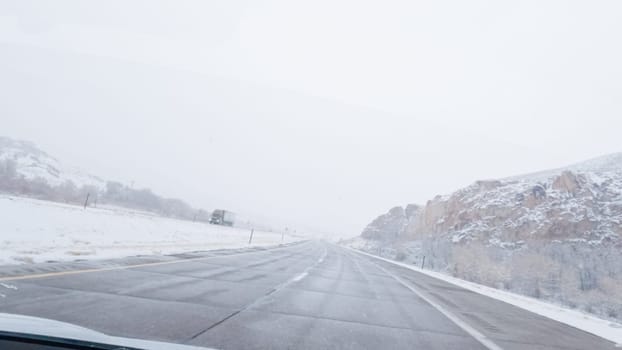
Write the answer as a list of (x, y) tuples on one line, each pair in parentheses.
[(392, 225), (555, 234), (575, 204)]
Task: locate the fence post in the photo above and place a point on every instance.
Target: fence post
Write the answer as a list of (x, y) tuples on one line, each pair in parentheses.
[(250, 239), (87, 200)]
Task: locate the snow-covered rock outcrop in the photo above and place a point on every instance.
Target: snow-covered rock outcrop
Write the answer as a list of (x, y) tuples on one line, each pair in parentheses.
[(580, 203), (391, 225), (555, 234)]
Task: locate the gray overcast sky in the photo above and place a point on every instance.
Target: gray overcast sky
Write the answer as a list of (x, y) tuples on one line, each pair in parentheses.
[(315, 114)]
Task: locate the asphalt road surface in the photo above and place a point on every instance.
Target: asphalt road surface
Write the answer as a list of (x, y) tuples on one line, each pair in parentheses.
[(311, 295)]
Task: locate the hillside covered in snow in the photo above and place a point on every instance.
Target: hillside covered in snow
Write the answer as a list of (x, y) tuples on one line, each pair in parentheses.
[(44, 218), (26, 170), (39, 231), (32, 163), (555, 234)]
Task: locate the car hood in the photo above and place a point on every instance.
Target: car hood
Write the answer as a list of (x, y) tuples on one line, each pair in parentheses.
[(50, 328)]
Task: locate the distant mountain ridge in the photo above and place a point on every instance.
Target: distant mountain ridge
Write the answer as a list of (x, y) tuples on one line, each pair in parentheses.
[(555, 234), (26, 170), (31, 162)]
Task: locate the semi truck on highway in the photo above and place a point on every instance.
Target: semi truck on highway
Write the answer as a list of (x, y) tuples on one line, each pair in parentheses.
[(222, 217)]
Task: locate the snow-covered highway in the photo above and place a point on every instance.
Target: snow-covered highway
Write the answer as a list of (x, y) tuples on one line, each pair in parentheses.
[(309, 295)]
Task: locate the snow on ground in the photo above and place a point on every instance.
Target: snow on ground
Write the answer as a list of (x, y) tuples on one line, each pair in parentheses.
[(37, 231), (591, 324)]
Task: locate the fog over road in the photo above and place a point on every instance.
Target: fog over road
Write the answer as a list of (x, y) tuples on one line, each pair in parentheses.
[(310, 295)]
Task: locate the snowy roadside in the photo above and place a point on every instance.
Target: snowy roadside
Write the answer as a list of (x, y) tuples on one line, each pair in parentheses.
[(37, 231), (603, 328)]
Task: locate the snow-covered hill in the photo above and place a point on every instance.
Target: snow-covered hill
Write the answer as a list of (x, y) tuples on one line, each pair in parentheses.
[(124, 222), (32, 163), (555, 234), (27, 171), (39, 231)]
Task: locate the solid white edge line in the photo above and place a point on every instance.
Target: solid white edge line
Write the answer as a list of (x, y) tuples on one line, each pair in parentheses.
[(616, 339), (481, 338)]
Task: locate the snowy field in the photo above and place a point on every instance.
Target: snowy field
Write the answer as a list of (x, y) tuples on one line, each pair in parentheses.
[(37, 231), (589, 323)]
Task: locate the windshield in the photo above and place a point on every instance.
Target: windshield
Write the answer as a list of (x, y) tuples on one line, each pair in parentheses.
[(311, 174)]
